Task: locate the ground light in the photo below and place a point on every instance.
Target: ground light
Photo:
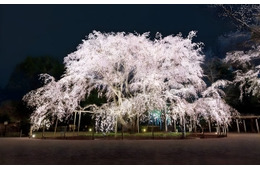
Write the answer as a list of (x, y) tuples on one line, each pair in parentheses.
[(144, 130), (90, 130), (33, 135)]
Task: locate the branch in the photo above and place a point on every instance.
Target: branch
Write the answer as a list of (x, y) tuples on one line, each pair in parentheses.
[(255, 31)]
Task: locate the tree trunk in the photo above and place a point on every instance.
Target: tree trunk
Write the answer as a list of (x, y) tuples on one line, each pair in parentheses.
[(43, 129), (174, 126), (137, 124), (209, 126), (226, 130), (165, 123), (133, 129), (79, 121), (56, 124), (191, 126), (116, 127), (238, 131), (219, 130), (21, 133), (244, 123), (257, 126), (184, 128), (74, 124), (30, 134), (195, 126)]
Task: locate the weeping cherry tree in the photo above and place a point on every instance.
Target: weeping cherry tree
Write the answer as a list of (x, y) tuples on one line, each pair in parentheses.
[(135, 74)]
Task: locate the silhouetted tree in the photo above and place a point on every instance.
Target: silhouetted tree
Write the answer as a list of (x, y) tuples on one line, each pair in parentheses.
[(26, 74)]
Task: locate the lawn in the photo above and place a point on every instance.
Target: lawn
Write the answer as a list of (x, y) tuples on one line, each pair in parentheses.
[(111, 135)]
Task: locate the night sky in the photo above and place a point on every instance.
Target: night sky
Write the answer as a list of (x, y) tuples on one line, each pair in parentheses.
[(56, 30)]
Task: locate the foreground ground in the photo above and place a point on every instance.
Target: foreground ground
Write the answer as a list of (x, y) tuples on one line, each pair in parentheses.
[(236, 149)]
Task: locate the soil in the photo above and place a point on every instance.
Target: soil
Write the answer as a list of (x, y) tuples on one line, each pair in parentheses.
[(235, 149)]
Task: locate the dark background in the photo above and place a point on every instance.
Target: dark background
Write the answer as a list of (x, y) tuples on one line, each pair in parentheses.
[(34, 39), (56, 30)]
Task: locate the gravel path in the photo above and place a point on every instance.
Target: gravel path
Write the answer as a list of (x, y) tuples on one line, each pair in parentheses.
[(236, 149)]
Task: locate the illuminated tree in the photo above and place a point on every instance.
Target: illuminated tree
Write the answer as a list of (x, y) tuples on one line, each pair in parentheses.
[(134, 73), (212, 106), (54, 101), (246, 71)]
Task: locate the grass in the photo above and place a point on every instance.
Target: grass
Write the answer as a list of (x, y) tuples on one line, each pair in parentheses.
[(11, 134), (111, 135)]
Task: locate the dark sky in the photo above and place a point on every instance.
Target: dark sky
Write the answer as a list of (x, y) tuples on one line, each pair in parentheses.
[(56, 30)]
